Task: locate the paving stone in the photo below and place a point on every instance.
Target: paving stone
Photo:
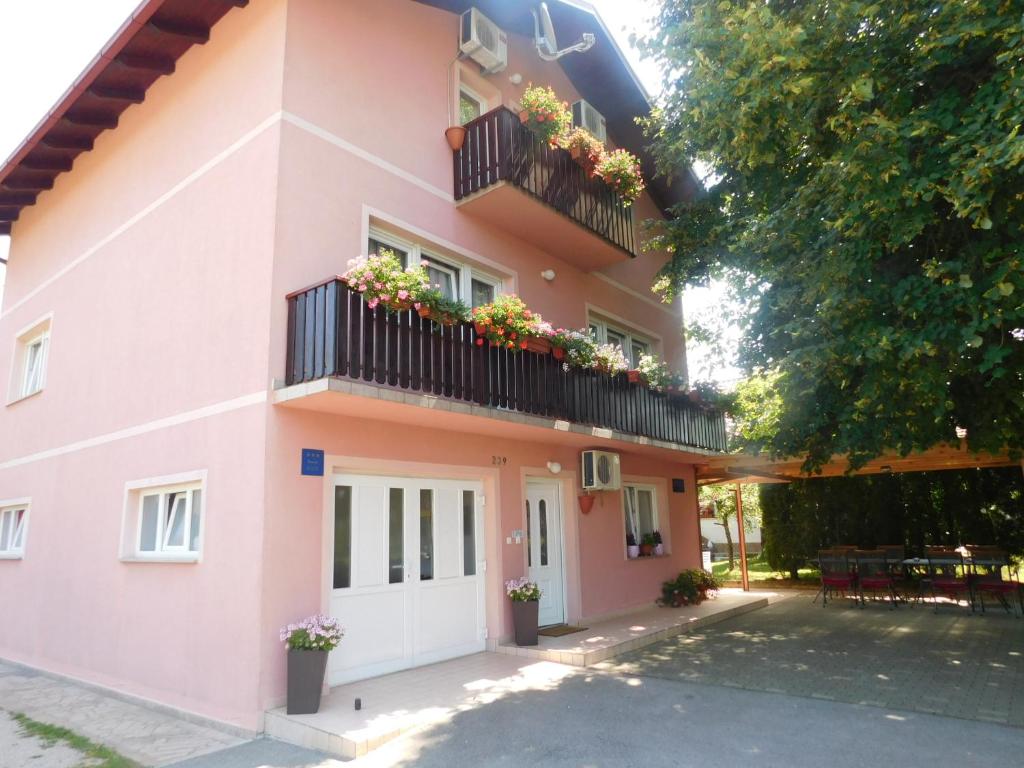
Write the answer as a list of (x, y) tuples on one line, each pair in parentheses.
[(949, 663)]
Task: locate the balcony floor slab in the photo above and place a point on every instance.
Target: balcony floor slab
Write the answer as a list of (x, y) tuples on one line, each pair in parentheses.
[(357, 399)]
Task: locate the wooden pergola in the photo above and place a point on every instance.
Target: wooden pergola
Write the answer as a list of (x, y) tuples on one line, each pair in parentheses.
[(739, 468)]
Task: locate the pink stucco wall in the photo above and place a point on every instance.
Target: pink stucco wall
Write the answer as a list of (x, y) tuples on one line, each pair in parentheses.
[(165, 257), (154, 257)]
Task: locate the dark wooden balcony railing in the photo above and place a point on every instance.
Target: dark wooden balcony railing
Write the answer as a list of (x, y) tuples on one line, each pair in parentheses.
[(332, 332), (499, 147)]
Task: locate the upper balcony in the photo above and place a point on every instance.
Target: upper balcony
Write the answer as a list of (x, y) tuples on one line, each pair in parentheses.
[(508, 176), (338, 346)]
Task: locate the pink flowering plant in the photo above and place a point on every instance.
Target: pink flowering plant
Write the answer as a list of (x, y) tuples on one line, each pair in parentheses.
[(522, 590), (382, 281), (621, 171), (315, 633)]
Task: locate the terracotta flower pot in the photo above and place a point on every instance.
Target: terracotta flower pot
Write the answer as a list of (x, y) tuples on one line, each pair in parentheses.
[(524, 619), (539, 345), (305, 680), (646, 549), (576, 153), (586, 503), (456, 136), (558, 352), (634, 377), (423, 311)]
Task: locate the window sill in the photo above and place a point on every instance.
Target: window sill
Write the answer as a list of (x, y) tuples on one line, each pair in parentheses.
[(21, 398), (179, 559), (12, 555), (648, 557)]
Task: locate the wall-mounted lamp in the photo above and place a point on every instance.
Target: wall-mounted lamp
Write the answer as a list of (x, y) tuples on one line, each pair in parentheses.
[(548, 274), (554, 467), (515, 78)]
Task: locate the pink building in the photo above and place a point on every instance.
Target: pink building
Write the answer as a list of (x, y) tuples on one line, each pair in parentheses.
[(207, 436)]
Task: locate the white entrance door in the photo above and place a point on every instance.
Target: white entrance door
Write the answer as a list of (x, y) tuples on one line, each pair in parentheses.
[(406, 573), (544, 549)]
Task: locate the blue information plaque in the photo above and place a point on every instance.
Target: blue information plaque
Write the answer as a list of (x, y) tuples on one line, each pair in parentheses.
[(312, 462)]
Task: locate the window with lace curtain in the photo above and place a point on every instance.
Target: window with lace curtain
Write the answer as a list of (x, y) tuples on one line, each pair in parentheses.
[(640, 510)]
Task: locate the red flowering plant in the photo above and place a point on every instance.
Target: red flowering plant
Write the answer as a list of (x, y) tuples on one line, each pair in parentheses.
[(544, 113), (621, 171), (585, 148), (505, 322), (382, 281)]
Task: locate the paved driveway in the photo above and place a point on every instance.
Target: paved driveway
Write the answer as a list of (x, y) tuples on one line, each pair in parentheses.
[(953, 663)]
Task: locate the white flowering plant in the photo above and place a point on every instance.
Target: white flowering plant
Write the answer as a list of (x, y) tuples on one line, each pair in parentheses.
[(315, 633), (522, 590), (610, 359)]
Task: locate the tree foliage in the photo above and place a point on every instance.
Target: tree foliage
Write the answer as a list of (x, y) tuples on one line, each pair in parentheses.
[(917, 509), (869, 205)]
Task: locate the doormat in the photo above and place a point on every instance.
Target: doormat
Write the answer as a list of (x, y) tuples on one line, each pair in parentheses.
[(560, 629)]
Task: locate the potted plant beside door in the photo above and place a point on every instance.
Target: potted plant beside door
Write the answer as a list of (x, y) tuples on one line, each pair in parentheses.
[(525, 596), (308, 644)]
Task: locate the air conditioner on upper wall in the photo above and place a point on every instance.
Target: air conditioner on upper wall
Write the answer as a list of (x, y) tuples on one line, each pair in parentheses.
[(601, 471), (483, 41), (584, 115)]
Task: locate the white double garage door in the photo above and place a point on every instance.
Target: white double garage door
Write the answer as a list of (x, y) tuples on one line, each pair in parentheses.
[(407, 573)]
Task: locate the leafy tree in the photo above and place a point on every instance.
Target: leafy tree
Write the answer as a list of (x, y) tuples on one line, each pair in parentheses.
[(869, 206), (723, 499)]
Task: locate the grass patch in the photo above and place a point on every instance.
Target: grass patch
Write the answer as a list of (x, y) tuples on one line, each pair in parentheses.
[(759, 570), (51, 734)]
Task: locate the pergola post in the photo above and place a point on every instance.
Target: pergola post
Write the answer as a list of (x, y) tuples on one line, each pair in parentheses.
[(744, 576)]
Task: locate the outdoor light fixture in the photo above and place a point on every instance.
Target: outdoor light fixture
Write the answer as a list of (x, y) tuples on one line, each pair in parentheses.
[(548, 274), (554, 467), (515, 78)]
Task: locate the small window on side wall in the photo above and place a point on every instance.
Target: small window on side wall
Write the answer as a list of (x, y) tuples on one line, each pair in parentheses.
[(164, 521), (31, 354), (13, 531)]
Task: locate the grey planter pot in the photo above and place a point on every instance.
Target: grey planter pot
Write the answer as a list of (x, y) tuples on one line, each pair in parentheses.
[(524, 618), (305, 680)]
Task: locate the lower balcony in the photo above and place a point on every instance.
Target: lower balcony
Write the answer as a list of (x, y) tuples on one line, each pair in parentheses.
[(335, 339)]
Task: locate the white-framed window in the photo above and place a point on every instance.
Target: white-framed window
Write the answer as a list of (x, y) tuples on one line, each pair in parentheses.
[(471, 105), (164, 519), (31, 355), (633, 344), (640, 510), (456, 280), (13, 529)]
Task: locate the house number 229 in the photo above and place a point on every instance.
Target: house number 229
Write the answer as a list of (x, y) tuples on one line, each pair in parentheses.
[(499, 460)]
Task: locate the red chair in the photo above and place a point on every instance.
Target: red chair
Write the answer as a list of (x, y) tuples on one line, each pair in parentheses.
[(837, 574), (986, 577), (948, 576), (873, 574)]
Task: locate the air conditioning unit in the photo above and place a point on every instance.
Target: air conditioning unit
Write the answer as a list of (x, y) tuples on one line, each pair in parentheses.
[(601, 471), (585, 116), (483, 41)]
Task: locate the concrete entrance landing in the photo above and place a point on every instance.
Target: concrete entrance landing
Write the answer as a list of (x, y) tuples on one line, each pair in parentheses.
[(409, 700), (630, 631)]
